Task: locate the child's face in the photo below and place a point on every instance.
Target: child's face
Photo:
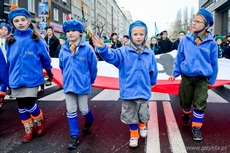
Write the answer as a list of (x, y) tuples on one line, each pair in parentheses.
[(181, 35), (3, 32), (21, 22), (138, 35), (108, 44), (218, 41), (62, 41), (198, 23), (73, 35), (154, 41)]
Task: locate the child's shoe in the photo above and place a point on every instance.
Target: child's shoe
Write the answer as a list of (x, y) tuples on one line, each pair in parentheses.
[(143, 132), (73, 142), (133, 142), (197, 135)]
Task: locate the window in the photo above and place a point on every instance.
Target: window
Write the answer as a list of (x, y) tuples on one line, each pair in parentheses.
[(31, 5), (14, 2), (64, 17), (56, 14)]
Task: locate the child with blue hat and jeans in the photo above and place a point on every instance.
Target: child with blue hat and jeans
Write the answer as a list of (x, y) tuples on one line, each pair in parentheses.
[(27, 55), (78, 64), (197, 63), (137, 75)]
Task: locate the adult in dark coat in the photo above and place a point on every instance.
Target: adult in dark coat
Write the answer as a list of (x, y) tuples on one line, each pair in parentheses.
[(165, 43), (51, 40), (115, 42)]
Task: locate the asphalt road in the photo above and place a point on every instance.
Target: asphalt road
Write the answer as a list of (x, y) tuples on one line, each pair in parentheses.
[(109, 135)]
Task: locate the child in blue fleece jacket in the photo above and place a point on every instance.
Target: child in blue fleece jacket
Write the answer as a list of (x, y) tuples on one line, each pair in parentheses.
[(137, 75), (27, 54), (197, 63), (78, 64)]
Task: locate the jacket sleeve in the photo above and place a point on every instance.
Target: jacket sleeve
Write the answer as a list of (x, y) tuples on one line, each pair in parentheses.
[(92, 61), (179, 58), (214, 62)]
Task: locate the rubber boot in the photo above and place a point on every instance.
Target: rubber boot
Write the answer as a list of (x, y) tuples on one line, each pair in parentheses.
[(30, 130), (40, 123), (88, 121)]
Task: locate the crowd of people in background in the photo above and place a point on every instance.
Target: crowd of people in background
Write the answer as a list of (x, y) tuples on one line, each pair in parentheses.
[(65, 47)]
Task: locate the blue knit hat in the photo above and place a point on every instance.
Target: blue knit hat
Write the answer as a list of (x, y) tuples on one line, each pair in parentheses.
[(135, 24), (18, 12), (72, 25), (207, 15), (3, 24)]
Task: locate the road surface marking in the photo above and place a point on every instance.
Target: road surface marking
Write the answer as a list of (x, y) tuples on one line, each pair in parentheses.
[(215, 98), (159, 96), (175, 140), (107, 95), (153, 140), (56, 96)]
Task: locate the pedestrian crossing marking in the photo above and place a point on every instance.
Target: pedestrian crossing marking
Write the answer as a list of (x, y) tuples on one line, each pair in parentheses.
[(107, 95), (159, 96), (215, 98), (153, 138), (113, 95), (175, 139), (56, 96), (227, 86)]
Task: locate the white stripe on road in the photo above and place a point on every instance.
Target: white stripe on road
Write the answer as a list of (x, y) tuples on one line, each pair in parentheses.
[(227, 86), (56, 96), (153, 140), (159, 96), (107, 95), (215, 98), (176, 142)]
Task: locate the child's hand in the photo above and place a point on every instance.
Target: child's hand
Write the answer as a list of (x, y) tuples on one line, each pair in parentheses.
[(172, 78), (98, 42)]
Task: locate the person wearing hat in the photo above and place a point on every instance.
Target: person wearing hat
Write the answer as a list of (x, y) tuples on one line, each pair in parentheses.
[(27, 55), (137, 75), (154, 45), (62, 40), (181, 34), (108, 42), (126, 41), (221, 48), (115, 42), (197, 63), (78, 64), (5, 30)]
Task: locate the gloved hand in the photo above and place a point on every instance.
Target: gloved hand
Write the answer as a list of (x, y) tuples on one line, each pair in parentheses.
[(50, 74)]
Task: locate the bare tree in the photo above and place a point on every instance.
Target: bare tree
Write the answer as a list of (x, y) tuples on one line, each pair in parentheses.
[(177, 25), (185, 17), (99, 27)]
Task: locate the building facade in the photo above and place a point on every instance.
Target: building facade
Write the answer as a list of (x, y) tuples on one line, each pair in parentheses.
[(99, 16), (220, 10)]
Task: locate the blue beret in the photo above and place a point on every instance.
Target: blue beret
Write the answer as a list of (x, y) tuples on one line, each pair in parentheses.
[(207, 15), (135, 24), (18, 12), (3, 24), (72, 25)]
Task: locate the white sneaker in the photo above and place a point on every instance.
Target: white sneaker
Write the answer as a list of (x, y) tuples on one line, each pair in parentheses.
[(143, 132), (133, 142)]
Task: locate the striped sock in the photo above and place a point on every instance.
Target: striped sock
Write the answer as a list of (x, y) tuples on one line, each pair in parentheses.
[(24, 114), (197, 118), (34, 110)]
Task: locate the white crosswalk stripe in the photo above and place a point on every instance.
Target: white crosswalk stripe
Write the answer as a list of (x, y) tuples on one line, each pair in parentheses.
[(113, 95)]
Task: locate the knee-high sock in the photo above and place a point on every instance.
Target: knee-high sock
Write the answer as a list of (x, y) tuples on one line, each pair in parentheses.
[(24, 114), (34, 110), (89, 116), (197, 118), (73, 124), (134, 131)]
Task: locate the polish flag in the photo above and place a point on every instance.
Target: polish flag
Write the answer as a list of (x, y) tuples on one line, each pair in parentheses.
[(109, 79)]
